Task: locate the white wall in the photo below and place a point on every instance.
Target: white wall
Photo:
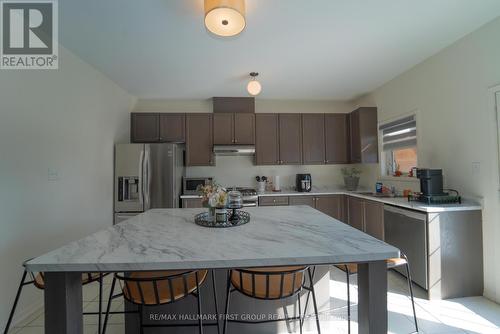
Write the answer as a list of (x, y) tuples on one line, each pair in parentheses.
[(66, 120), (456, 125), (241, 171)]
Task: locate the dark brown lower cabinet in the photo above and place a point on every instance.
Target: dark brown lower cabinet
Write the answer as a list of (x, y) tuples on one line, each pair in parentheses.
[(302, 200), (273, 200), (330, 205), (366, 215), (192, 203), (374, 219), (355, 213)]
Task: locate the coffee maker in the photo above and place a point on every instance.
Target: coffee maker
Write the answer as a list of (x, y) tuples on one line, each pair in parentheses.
[(303, 182), (431, 188), (431, 181)]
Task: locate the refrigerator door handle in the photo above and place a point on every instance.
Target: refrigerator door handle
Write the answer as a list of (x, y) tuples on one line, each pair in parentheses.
[(141, 177), (147, 179)]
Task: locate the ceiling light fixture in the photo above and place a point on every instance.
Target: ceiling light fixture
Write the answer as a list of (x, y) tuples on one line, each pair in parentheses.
[(225, 17), (254, 87)]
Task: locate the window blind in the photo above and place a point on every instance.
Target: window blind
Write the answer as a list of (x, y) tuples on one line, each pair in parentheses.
[(401, 133)]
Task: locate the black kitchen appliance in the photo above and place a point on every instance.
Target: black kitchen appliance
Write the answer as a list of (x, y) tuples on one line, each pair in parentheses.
[(431, 189), (431, 181), (303, 182)]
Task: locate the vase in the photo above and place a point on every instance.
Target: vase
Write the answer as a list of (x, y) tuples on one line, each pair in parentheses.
[(351, 182), (211, 213)]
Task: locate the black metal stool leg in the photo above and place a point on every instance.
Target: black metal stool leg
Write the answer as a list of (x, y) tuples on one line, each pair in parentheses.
[(16, 300), (348, 300), (314, 299), (215, 300), (141, 325), (300, 313), (100, 305), (108, 307), (410, 288), (198, 297), (226, 311)]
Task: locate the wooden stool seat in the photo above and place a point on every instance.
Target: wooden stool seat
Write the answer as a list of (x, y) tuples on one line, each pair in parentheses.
[(87, 278), (391, 263), (268, 283), (160, 287)]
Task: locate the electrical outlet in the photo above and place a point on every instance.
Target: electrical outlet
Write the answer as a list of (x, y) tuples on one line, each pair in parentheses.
[(53, 174), (476, 168)]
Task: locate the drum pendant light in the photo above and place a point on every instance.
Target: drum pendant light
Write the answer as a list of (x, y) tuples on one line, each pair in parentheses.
[(254, 87), (225, 17)]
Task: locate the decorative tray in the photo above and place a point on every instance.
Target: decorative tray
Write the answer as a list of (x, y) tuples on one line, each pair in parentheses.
[(234, 218)]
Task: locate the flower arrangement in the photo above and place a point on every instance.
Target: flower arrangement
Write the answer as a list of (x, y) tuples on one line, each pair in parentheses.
[(214, 196)]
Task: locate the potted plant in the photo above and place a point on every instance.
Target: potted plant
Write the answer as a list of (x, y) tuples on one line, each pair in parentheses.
[(214, 197), (351, 178)]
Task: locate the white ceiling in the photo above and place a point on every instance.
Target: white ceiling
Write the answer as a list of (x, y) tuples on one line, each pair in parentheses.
[(303, 49)]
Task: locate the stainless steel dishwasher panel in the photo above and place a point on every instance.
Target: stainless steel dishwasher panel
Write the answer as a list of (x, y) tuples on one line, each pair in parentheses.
[(407, 230)]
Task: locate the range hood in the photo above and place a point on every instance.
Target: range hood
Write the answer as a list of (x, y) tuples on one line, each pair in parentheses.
[(234, 150)]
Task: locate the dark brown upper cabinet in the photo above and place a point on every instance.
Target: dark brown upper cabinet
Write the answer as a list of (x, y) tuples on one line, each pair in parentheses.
[(234, 128), (313, 139), (199, 140), (144, 128), (233, 104), (223, 128), (172, 128), (290, 139), (244, 129), (363, 134), (266, 139), (157, 127), (337, 138)]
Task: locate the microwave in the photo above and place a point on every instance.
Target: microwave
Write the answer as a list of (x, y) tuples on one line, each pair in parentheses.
[(191, 184)]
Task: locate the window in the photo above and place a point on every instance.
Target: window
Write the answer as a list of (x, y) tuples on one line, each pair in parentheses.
[(399, 146)]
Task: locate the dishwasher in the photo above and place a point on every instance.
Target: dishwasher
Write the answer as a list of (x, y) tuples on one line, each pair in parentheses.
[(407, 230)]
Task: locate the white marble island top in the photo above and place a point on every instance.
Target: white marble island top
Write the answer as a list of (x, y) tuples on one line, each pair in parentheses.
[(166, 239)]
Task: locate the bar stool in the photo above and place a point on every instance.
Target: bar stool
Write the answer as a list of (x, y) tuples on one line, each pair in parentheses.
[(154, 288), (272, 283), (38, 280), (352, 269)]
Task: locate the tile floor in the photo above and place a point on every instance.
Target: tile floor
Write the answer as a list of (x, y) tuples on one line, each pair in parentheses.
[(462, 315)]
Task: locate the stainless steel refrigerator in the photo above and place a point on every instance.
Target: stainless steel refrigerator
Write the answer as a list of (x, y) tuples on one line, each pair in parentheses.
[(147, 176)]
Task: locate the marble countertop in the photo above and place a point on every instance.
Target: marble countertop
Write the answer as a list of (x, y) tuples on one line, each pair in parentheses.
[(168, 239), (466, 205)]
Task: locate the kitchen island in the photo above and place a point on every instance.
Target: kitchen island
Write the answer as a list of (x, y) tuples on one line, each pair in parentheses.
[(168, 239)]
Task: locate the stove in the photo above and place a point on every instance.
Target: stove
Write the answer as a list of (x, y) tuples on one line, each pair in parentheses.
[(249, 195), (444, 198)]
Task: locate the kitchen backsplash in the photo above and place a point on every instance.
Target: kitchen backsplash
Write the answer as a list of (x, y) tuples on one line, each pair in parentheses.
[(241, 171)]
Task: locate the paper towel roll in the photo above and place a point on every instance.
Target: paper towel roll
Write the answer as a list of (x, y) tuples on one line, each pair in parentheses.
[(277, 186)]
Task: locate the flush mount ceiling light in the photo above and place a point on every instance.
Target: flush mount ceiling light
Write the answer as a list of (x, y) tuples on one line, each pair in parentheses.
[(254, 86), (225, 17)]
